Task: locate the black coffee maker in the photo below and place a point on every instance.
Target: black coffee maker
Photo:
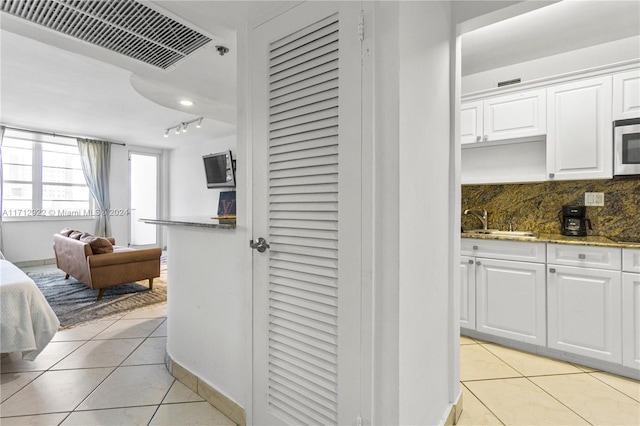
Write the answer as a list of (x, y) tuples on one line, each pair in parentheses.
[(573, 221)]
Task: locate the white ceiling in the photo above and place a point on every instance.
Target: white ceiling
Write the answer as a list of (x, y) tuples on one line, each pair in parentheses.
[(51, 82), (550, 30)]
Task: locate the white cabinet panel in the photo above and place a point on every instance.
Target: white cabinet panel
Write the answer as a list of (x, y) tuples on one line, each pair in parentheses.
[(467, 292), (516, 115), (504, 250), (510, 300), (631, 320), (631, 260), (584, 312), (584, 256), (626, 95), (471, 122), (579, 135)]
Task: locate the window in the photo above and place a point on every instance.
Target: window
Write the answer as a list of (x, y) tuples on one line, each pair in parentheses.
[(42, 176)]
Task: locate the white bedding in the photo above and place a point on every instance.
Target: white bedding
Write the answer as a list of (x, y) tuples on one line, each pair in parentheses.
[(27, 322)]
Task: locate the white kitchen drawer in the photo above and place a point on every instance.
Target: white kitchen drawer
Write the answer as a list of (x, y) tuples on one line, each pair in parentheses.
[(631, 260), (584, 256), (505, 250)]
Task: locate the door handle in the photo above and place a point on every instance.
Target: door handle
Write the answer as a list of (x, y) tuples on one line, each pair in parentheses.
[(261, 245)]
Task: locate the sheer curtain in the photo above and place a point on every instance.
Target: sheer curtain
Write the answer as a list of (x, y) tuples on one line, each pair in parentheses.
[(96, 158), (1, 187)]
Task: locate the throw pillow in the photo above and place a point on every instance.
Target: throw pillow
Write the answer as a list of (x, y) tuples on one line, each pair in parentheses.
[(98, 245), (66, 231), (75, 235)]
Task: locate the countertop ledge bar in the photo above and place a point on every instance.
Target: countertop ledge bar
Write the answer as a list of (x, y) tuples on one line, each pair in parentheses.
[(201, 222), (591, 240)]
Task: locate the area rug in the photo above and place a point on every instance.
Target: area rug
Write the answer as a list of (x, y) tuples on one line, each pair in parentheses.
[(75, 304)]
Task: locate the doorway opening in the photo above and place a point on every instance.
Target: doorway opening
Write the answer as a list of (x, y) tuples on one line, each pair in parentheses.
[(144, 199)]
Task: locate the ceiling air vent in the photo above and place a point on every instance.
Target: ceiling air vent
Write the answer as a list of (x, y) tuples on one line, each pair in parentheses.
[(123, 26)]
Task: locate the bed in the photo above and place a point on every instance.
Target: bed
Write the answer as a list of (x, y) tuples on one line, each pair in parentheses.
[(27, 322)]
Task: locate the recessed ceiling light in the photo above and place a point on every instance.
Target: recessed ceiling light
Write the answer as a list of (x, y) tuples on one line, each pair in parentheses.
[(186, 102)]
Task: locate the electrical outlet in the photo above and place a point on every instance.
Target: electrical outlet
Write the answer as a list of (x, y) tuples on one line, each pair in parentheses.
[(594, 199)]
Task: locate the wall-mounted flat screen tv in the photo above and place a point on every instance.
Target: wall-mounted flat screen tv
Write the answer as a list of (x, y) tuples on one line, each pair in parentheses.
[(220, 170)]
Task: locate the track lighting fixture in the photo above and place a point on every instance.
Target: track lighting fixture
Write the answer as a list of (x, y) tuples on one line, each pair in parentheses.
[(182, 127)]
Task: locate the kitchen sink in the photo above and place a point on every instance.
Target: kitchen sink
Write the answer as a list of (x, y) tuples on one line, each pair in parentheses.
[(499, 233)]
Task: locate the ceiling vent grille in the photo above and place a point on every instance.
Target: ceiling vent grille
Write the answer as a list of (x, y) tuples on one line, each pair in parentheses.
[(123, 26)]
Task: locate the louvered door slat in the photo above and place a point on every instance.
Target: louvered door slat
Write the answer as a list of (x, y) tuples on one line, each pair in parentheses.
[(307, 77), (304, 110), (325, 371), (324, 398), (328, 174), (329, 76), (305, 269), (304, 119), (323, 47), (304, 278), (299, 241), (320, 216), (305, 189), (303, 146)]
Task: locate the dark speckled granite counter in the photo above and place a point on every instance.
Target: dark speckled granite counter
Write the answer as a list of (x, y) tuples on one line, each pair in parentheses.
[(560, 239), (198, 221), (535, 206)]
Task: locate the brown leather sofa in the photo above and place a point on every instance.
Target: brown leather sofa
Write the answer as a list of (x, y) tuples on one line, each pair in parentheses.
[(113, 266)]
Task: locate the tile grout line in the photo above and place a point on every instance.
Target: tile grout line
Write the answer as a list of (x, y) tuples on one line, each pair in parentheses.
[(562, 403), (544, 390), (484, 405), (612, 387), (75, 409)]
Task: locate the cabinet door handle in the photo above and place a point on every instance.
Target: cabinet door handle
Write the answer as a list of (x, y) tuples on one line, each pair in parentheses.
[(486, 138), (478, 263), (551, 175), (552, 270), (471, 262), (582, 256), (478, 138), (475, 247)]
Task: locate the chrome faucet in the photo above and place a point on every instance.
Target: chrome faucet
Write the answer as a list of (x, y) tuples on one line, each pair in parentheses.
[(482, 218)]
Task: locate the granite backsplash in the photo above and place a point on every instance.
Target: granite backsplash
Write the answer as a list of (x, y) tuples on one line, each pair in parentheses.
[(535, 206)]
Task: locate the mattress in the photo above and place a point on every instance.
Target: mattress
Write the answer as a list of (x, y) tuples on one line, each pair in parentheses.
[(27, 322)]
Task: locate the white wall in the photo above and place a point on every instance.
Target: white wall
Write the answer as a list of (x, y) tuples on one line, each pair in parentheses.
[(188, 192), (206, 316), (425, 219), (415, 339), (32, 241), (207, 274), (577, 60)]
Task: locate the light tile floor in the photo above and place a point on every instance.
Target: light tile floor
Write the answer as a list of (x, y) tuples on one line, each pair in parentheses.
[(109, 372), (112, 372), (509, 387)]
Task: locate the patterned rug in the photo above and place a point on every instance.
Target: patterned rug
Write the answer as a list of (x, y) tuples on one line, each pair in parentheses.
[(75, 304)]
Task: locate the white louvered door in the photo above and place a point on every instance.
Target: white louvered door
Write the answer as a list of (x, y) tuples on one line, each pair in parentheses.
[(307, 205)]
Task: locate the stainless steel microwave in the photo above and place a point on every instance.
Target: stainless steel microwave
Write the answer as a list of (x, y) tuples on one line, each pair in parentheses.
[(626, 145)]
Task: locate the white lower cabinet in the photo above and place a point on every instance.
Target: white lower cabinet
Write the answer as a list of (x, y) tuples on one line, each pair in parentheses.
[(503, 289), (631, 320), (584, 312), (467, 292), (510, 300), (577, 299), (631, 308)]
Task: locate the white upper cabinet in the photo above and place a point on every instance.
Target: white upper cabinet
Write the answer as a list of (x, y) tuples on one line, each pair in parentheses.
[(513, 116), (579, 136), (626, 95), (471, 122), (516, 115)]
